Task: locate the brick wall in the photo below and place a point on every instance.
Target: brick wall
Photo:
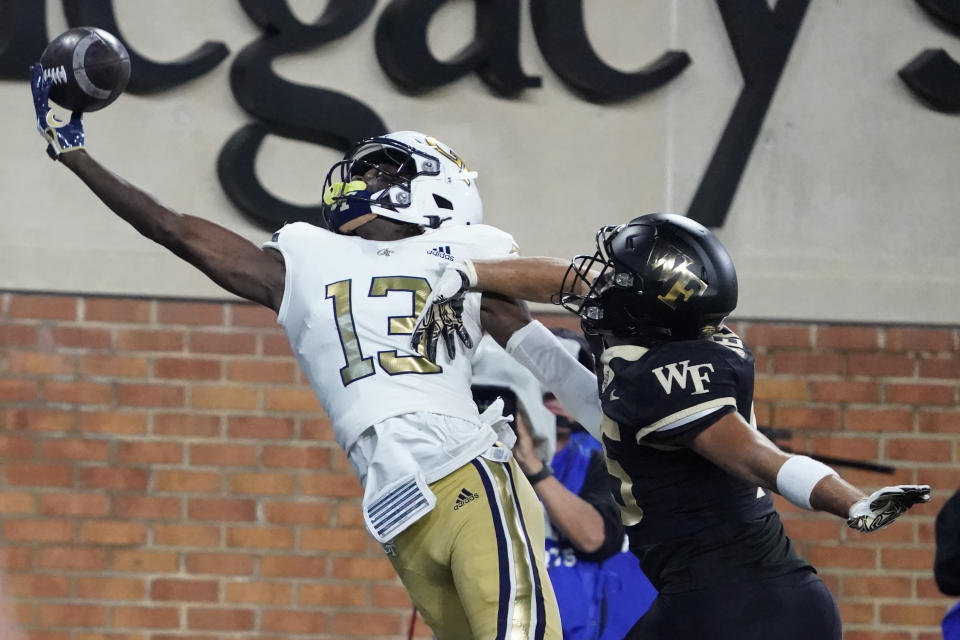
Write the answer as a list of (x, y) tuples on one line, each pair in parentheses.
[(167, 473)]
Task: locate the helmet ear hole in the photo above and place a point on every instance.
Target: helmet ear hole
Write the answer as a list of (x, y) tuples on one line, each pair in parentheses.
[(442, 203)]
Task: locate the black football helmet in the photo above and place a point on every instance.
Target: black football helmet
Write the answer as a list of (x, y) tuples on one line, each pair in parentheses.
[(660, 276)]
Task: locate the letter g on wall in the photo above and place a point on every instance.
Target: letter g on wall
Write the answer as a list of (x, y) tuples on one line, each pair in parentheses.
[(288, 109)]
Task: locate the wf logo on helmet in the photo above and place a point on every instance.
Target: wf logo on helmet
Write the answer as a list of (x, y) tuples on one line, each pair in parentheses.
[(669, 264)]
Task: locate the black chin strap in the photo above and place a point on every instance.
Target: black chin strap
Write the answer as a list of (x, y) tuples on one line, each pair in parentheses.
[(434, 222)]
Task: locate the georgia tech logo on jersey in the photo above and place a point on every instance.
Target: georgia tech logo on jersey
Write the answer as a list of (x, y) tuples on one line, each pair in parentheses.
[(670, 265), (464, 497), (682, 372)]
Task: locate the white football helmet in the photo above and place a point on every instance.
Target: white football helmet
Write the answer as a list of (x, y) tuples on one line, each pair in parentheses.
[(431, 185)]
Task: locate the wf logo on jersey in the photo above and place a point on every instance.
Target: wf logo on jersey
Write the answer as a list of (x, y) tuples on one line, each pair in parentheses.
[(671, 266), (681, 373)]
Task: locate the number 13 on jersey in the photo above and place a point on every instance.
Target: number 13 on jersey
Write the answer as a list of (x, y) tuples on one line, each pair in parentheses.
[(357, 366)]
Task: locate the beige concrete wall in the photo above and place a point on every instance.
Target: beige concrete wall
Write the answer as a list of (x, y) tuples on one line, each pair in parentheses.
[(846, 210)]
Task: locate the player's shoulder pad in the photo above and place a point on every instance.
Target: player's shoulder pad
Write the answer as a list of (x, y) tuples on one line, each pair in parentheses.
[(634, 365), (299, 232), (660, 388), (730, 340), (479, 241), (694, 352)]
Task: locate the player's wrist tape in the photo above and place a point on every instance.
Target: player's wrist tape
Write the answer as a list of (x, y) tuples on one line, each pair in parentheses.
[(798, 476), (466, 267), (543, 474)]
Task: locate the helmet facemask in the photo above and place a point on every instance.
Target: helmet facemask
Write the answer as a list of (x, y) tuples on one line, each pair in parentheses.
[(603, 297)]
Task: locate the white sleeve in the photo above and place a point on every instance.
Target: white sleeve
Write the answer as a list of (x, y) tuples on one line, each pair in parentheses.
[(535, 347)]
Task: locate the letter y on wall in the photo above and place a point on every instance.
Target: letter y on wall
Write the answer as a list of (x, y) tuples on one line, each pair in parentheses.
[(761, 39)]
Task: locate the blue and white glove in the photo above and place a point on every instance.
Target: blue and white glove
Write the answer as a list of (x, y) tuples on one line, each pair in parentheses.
[(61, 136), (442, 313), (884, 506)]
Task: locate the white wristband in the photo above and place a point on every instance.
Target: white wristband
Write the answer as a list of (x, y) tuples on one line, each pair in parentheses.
[(798, 476)]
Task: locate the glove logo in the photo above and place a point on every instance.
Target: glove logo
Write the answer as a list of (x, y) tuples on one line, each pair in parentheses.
[(57, 75), (53, 121), (884, 506)]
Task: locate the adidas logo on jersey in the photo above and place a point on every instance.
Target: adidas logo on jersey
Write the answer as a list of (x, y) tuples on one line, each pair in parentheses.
[(442, 252), (465, 497)]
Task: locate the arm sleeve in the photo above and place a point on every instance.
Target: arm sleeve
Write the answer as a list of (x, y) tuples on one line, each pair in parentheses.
[(536, 348), (596, 491)]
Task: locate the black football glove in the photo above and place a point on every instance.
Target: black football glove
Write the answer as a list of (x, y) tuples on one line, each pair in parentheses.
[(442, 315), (61, 136), (884, 506)]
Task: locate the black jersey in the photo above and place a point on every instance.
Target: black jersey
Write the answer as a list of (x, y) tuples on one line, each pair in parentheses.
[(690, 523)]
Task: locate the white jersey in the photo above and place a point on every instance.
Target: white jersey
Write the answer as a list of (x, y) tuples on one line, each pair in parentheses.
[(349, 307)]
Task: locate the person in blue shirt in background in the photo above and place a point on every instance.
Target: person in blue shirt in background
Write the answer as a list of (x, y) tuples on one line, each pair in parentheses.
[(946, 568), (601, 591)]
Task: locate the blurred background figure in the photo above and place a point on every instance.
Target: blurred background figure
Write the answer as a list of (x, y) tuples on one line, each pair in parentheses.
[(946, 568), (600, 588)]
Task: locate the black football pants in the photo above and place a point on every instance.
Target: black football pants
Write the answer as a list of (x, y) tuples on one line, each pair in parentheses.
[(796, 606)]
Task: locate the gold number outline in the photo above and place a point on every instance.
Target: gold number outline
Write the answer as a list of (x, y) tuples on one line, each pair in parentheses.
[(390, 360), (356, 368)]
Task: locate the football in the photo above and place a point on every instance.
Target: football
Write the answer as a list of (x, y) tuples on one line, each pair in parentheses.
[(89, 67)]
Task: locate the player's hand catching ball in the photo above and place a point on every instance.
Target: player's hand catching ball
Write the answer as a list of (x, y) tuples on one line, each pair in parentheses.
[(884, 506), (61, 136), (442, 315)]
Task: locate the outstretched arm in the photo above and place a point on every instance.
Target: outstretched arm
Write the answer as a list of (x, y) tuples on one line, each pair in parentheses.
[(227, 258), (230, 260), (742, 451), (536, 279)]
